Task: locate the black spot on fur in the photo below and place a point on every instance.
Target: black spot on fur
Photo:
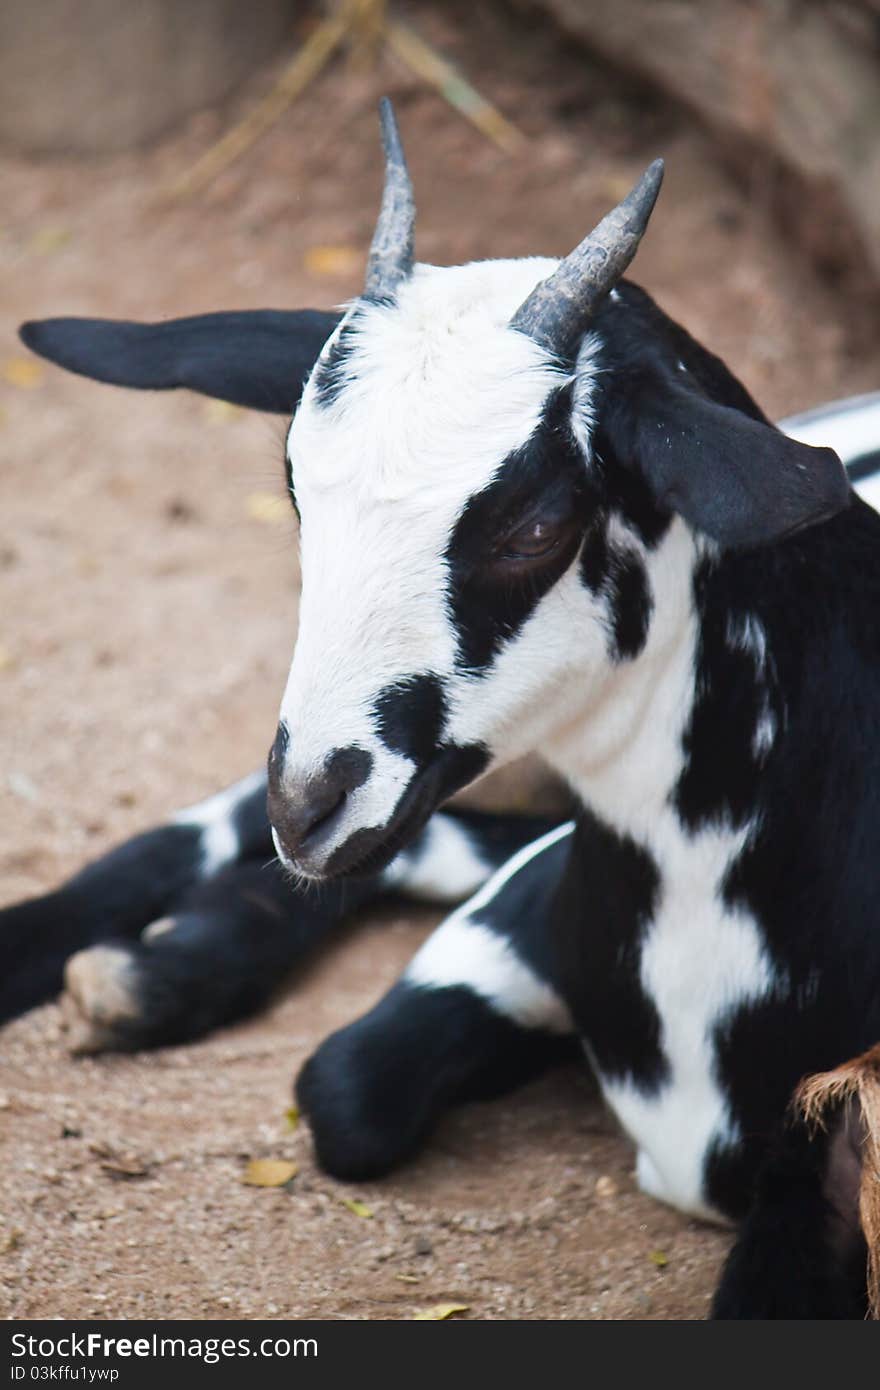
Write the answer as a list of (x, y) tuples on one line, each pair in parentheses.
[(548, 473), (333, 371), (409, 717), (722, 771), (606, 901), (617, 573), (371, 849), (630, 603), (280, 745), (291, 489)]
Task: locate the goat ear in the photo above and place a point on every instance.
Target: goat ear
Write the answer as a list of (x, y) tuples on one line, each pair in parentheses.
[(258, 358), (731, 476)]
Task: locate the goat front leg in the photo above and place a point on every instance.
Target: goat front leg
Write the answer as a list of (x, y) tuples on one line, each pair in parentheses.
[(119, 895), (219, 955), (475, 1015), (228, 942)]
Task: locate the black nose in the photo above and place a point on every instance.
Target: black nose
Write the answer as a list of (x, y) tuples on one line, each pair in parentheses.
[(300, 807)]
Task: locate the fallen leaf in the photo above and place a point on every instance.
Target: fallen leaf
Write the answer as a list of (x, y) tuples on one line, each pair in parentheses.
[(269, 1172), (22, 372), (11, 1241), (221, 412), (440, 1312), (658, 1258), (47, 240), (268, 508), (359, 1208), (606, 1187), (332, 260), (292, 1117), (126, 1167), (409, 1278), (120, 1165), (6, 658)]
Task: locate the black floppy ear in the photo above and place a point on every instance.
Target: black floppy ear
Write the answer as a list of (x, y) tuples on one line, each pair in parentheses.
[(735, 478), (258, 358)]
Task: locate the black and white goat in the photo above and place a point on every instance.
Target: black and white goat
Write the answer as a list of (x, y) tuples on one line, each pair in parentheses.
[(536, 515)]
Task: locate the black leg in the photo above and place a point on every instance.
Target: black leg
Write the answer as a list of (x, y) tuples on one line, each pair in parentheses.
[(225, 948), (116, 897), (475, 1014), (800, 1252)]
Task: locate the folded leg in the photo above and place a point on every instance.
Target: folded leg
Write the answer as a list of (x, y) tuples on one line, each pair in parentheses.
[(475, 1014), (193, 924), (118, 895)]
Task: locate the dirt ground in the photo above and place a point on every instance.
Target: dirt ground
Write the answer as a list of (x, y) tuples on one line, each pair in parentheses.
[(146, 624)]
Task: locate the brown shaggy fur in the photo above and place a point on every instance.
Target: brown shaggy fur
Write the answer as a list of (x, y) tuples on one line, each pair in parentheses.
[(858, 1082)]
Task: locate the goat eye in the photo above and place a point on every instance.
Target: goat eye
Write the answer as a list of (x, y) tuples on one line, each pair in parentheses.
[(534, 540)]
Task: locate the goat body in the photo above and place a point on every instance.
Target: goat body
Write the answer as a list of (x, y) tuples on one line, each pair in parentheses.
[(696, 648)]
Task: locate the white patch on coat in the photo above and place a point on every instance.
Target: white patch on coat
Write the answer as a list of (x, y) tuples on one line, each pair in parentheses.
[(214, 817), (746, 633), (699, 958), (467, 954), (443, 865)]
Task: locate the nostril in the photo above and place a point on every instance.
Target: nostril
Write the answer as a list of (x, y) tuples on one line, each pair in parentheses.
[(320, 814), (301, 808)]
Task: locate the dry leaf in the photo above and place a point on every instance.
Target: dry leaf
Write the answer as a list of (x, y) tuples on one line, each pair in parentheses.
[(22, 372), (409, 1278), (268, 508), (221, 412), (359, 1208), (332, 260), (126, 1167), (658, 1258), (120, 1165), (292, 1117), (440, 1312), (606, 1187), (11, 1241), (269, 1172), (6, 658), (47, 240)]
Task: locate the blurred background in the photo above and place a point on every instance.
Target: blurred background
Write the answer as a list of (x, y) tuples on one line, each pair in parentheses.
[(168, 157)]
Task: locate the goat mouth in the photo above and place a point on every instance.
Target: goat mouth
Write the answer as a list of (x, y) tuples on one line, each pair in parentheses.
[(369, 851)]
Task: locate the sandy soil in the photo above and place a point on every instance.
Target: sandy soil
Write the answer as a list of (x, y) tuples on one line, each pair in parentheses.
[(146, 624)]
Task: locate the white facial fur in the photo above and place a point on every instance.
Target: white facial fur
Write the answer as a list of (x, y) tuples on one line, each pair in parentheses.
[(439, 391)]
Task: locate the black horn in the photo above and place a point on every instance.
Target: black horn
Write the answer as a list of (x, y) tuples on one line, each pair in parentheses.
[(558, 309), (391, 251)]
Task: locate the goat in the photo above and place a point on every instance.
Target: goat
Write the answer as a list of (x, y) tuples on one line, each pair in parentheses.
[(558, 524)]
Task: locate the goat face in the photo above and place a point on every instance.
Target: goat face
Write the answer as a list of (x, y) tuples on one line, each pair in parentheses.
[(486, 534), (443, 499)]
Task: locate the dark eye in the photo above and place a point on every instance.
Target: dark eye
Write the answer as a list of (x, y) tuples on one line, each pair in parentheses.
[(535, 541)]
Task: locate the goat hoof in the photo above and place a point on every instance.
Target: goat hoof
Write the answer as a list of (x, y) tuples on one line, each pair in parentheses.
[(100, 1000)]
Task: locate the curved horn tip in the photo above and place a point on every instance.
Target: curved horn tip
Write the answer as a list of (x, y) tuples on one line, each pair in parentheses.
[(558, 310), (644, 193), (391, 141), (391, 252)]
